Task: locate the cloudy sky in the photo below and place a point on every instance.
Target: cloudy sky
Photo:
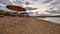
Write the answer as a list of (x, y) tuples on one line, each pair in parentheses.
[(35, 7)]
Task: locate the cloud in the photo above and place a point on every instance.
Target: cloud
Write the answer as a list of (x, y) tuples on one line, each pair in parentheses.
[(6, 2), (56, 2), (30, 8), (19, 1), (27, 3), (47, 1), (1, 4)]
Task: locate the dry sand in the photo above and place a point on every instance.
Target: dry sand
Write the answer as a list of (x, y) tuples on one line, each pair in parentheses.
[(27, 25)]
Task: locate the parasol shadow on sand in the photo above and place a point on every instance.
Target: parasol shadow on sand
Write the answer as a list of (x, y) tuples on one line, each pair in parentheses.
[(18, 9)]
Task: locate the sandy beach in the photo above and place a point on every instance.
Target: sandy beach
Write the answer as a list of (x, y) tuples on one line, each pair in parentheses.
[(27, 25)]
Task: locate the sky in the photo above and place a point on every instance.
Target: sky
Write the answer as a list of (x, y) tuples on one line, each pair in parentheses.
[(43, 7)]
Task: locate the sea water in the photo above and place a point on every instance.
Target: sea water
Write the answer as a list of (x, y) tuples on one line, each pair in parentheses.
[(52, 19)]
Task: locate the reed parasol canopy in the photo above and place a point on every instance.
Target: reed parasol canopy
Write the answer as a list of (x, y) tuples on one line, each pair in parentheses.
[(16, 8)]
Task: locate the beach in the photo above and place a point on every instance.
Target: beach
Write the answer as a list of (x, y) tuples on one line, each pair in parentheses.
[(27, 25)]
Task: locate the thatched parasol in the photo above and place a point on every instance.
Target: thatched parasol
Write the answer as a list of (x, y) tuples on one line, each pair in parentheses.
[(16, 8)]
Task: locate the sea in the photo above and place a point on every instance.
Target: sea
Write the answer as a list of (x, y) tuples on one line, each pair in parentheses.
[(52, 19)]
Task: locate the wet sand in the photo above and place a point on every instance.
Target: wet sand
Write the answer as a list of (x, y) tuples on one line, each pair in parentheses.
[(27, 25)]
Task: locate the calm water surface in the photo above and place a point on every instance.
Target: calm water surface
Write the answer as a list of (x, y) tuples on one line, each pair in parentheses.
[(52, 19)]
